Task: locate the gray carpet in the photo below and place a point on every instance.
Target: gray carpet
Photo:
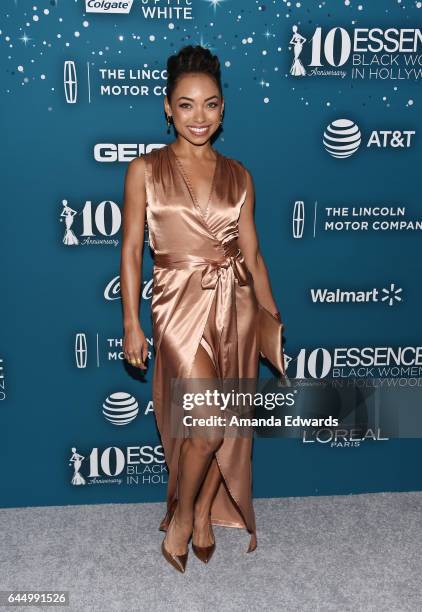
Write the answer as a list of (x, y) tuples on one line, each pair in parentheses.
[(354, 552)]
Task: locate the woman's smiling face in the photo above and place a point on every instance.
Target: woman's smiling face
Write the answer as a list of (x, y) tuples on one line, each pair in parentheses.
[(196, 107)]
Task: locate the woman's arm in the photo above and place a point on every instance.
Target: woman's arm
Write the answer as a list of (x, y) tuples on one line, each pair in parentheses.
[(133, 224), (248, 243)]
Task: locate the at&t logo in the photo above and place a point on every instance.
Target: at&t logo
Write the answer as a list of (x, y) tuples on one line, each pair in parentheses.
[(342, 138)]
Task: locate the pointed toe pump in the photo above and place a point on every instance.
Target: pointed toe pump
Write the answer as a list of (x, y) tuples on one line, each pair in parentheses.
[(204, 553), (177, 561)]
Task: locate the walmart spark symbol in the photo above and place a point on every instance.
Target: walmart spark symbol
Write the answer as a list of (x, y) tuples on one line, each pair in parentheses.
[(391, 295)]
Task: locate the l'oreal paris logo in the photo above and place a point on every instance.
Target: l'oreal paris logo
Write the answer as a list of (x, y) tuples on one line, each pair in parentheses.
[(108, 6), (342, 437)]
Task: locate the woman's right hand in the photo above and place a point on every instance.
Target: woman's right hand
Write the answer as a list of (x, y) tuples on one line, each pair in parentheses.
[(135, 347)]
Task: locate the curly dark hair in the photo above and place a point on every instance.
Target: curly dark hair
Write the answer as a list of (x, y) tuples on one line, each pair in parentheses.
[(192, 59)]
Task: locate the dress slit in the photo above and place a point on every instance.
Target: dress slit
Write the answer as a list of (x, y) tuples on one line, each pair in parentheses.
[(209, 341), (208, 338)]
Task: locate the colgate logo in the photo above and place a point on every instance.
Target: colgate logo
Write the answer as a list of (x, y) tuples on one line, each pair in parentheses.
[(106, 6)]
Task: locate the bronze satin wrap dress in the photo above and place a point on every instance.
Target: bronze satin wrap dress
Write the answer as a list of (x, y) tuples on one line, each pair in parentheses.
[(202, 293)]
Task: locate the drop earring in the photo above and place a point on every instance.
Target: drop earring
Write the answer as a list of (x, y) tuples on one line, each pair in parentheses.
[(168, 124)]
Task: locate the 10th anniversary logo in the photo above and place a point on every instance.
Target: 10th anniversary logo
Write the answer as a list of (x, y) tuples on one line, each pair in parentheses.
[(361, 53)]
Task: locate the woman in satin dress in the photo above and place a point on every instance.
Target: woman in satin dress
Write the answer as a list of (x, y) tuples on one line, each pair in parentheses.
[(208, 278)]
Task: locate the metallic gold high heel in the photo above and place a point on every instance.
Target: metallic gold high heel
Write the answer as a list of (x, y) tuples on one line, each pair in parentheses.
[(204, 553), (177, 561)]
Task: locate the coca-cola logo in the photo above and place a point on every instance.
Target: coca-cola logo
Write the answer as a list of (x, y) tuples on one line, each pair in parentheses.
[(112, 290)]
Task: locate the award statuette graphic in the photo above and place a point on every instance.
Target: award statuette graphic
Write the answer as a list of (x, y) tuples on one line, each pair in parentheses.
[(297, 40), (68, 213), (76, 459)]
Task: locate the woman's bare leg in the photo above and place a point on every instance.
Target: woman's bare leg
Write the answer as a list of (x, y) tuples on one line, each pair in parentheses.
[(202, 508), (196, 454)]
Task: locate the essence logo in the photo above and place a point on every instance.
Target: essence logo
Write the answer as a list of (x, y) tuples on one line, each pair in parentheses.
[(361, 53), (107, 6), (131, 465), (342, 138)]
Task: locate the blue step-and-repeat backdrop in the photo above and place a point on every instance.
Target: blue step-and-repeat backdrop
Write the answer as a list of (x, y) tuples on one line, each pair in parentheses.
[(323, 106)]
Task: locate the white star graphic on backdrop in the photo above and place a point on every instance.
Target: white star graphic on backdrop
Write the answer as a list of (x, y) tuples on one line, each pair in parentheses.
[(25, 38), (204, 44), (214, 3)]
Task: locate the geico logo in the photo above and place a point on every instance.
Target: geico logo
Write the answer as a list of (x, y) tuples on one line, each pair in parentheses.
[(111, 152), (108, 6)]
